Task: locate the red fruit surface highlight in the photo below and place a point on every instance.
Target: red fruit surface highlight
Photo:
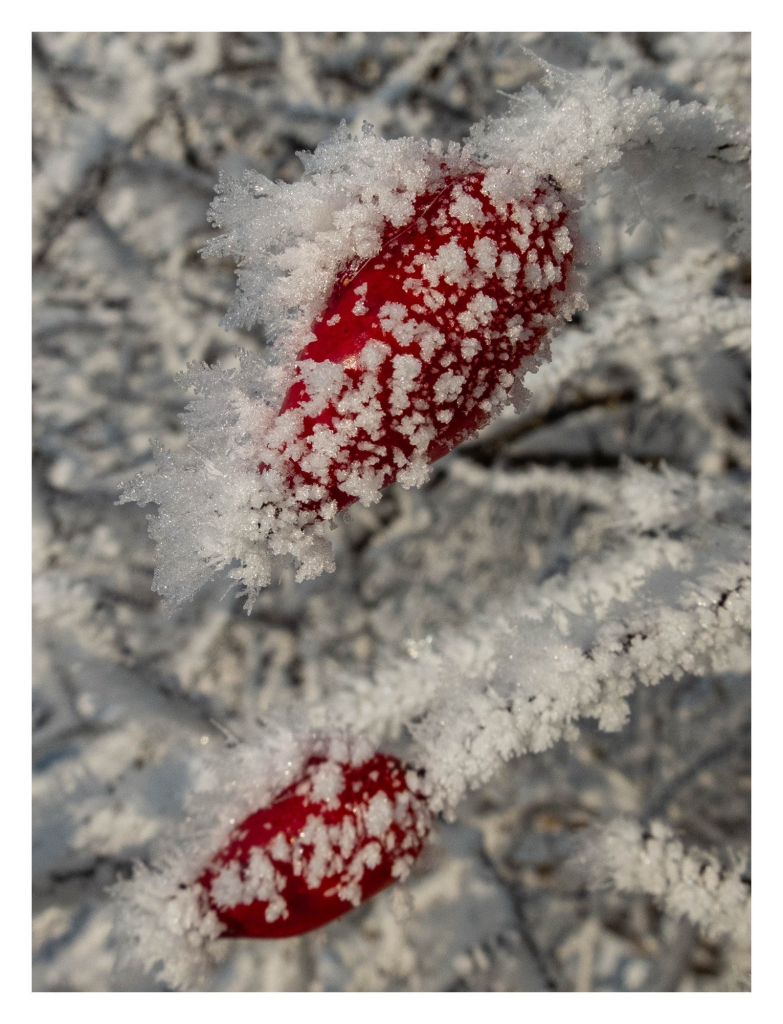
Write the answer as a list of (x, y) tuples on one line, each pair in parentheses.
[(327, 843), (419, 347)]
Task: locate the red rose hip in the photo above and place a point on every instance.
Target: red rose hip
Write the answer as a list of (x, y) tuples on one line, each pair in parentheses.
[(327, 843), (419, 347), (405, 305)]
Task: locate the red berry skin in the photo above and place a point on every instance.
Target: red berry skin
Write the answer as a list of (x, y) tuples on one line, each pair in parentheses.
[(318, 858), (469, 329)]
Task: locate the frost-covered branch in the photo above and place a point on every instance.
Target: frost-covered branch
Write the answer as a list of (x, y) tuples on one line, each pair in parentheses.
[(684, 882)]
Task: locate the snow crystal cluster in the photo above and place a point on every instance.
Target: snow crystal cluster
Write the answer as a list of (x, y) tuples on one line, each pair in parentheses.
[(690, 883)]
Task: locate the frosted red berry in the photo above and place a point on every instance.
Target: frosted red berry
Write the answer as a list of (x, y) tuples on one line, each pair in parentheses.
[(429, 335), (328, 842)]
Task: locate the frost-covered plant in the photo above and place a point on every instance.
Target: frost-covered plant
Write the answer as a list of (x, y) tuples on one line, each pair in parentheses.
[(232, 496), (658, 581), (684, 882)]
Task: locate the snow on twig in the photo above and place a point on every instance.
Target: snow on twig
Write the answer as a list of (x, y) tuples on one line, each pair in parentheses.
[(684, 882)]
